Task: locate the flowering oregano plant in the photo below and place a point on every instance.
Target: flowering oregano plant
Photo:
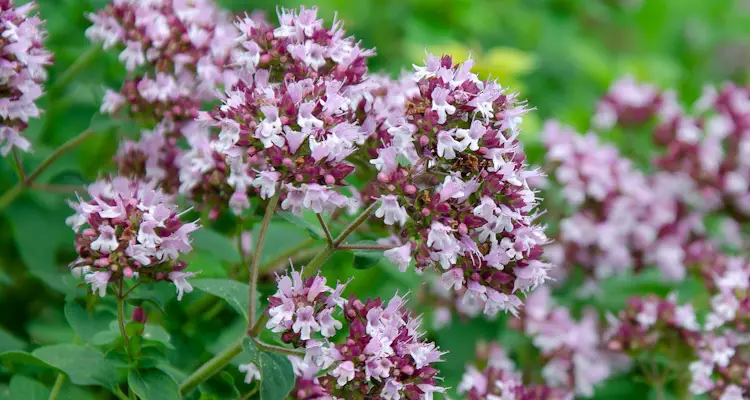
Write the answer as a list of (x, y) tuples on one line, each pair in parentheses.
[(582, 264)]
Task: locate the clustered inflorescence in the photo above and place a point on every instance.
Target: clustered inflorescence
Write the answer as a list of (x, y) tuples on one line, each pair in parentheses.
[(130, 231), (452, 180), (22, 63)]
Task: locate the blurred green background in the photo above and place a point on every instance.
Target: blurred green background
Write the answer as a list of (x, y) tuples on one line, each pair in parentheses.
[(561, 55)]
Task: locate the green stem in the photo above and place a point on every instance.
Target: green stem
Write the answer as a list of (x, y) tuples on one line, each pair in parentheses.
[(255, 264), (70, 144), (355, 224), (119, 394), (10, 195), (324, 254), (121, 321), (255, 332), (279, 349), (19, 167), (83, 61), (365, 247), (57, 386), (323, 225), (211, 367)]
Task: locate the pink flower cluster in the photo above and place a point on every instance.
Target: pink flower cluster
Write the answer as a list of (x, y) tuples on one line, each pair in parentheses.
[(22, 62), (303, 307), (383, 355), (183, 47), (632, 103), (497, 379), (154, 156), (288, 124), (621, 219), (130, 231), (574, 357), (453, 184), (712, 146), (649, 323), (722, 370)]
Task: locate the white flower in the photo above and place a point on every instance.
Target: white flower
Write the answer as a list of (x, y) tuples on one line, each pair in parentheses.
[(400, 256), (251, 372), (266, 181), (391, 211), (305, 322), (328, 324), (344, 372), (106, 242), (440, 103), (447, 146), (179, 279), (99, 281), (269, 130)]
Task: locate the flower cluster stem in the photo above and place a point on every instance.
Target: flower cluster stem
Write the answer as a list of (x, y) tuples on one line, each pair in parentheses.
[(121, 321), (57, 386), (255, 264), (211, 367), (16, 190)]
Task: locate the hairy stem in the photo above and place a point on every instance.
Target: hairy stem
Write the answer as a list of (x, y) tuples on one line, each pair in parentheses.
[(355, 224), (365, 247), (279, 349), (211, 367), (323, 225), (255, 264), (57, 386), (255, 332)]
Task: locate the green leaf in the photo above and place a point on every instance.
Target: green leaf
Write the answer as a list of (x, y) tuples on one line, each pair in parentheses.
[(364, 259), (402, 160), (22, 358), (158, 334), (235, 293), (217, 244), (158, 294), (87, 325), (9, 342), (276, 373), (83, 365), (315, 231), (153, 384), (25, 388)]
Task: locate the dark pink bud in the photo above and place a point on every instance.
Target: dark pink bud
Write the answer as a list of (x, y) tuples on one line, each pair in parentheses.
[(139, 315), (383, 177), (410, 189), (330, 180), (424, 140), (102, 262), (425, 212), (265, 58)]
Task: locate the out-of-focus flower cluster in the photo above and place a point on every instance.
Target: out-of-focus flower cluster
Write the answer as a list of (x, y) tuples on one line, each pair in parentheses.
[(181, 47), (128, 230), (382, 356), (622, 220), (453, 184), (574, 357), (492, 376), (22, 62)]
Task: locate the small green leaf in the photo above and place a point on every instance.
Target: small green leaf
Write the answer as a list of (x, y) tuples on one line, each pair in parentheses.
[(83, 365), (157, 294), (87, 325), (153, 384), (313, 230), (217, 244), (402, 160), (25, 388), (276, 373), (158, 334), (235, 293), (364, 259)]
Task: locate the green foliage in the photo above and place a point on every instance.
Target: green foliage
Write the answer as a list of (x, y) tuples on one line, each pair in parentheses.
[(277, 377)]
